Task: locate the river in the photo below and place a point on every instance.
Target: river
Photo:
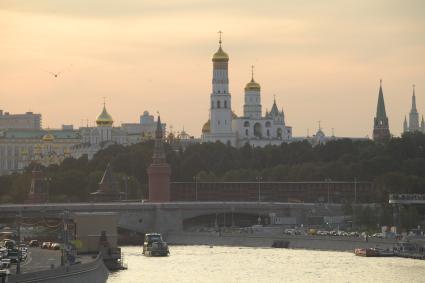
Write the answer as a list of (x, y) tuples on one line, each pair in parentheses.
[(234, 264)]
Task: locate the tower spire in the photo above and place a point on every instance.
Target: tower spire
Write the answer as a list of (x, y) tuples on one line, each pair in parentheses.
[(252, 72), (381, 131), (414, 99), (220, 33)]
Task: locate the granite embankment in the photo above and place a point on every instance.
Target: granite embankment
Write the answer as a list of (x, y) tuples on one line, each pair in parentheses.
[(330, 243), (93, 272)]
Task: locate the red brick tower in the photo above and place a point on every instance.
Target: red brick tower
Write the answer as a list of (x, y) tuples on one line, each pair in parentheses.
[(159, 171)]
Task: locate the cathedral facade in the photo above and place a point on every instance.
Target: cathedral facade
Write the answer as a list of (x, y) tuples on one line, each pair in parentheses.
[(253, 127)]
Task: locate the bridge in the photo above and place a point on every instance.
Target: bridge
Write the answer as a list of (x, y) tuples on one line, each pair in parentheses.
[(164, 217)]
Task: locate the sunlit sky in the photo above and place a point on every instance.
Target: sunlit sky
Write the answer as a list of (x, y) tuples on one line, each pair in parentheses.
[(322, 59)]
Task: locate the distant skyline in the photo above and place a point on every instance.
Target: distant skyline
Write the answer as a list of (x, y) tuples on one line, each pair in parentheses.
[(322, 59)]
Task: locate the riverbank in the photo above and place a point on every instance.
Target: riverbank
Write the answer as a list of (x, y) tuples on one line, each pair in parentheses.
[(44, 266), (328, 243)]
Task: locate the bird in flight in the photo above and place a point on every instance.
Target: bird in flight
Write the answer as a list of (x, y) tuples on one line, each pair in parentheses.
[(58, 73)]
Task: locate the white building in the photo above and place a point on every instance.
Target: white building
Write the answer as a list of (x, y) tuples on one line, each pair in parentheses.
[(252, 127), (20, 147)]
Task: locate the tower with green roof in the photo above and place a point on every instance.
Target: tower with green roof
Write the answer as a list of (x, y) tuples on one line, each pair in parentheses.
[(381, 129)]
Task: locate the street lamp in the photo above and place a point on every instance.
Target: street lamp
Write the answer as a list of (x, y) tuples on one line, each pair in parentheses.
[(355, 190), (196, 178), (259, 178), (328, 181), (48, 181), (126, 178)]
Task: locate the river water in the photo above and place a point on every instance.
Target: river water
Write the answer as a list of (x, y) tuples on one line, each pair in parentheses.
[(234, 264)]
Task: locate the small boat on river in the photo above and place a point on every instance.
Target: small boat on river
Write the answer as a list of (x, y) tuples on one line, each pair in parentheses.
[(374, 252), (155, 246)]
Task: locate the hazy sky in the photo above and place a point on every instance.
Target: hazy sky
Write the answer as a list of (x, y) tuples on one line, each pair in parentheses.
[(322, 59)]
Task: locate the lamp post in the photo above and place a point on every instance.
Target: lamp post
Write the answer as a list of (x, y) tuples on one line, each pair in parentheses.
[(126, 178), (259, 178), (196, 178), (355, 190), (329, 193), (48, 181)]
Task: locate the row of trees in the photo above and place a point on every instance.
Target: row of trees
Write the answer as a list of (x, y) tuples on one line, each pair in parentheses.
[(396, 166)]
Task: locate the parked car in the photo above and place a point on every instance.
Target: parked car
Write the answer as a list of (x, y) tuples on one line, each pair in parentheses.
[(45, 245), (5, 263), (34, 243), (55, 246), (378, 235)]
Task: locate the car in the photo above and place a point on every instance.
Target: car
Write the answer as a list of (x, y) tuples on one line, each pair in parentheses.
[(45, 245), (5, 263), (55, 246), (34, 243)]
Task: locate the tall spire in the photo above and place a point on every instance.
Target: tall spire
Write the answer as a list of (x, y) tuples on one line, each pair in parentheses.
[(381, 131), (414, 100), (380, 110), (405, 127), (219, 41), (413, 115), (158, 152)]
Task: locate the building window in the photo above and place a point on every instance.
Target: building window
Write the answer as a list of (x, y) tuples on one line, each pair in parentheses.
[(218, 104), (257, 130), (225, 104), (246, 132), (268, 124), (246, 124), (279, 133), (268, 132)]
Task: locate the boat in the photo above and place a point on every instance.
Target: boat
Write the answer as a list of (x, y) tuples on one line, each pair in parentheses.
[(155, 246), (374, 252)]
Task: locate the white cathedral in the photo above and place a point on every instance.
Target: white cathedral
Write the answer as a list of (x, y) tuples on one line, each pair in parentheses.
[(253, 128)]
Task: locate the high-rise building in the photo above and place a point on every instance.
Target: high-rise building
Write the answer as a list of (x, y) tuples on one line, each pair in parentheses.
[(381, 129), (27, 121)]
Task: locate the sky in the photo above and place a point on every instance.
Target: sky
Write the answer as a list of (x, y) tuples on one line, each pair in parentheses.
[(321, 59)]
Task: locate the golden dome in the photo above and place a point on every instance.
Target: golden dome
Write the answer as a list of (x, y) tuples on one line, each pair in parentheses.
[(104, 119), (252, 85), (207, 127), (48, 137), (220, 56)]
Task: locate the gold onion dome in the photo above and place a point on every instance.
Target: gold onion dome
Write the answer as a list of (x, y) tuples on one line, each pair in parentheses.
[(104, 119), (48, 137), (220, 56), (252, 85), (207, 127)]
